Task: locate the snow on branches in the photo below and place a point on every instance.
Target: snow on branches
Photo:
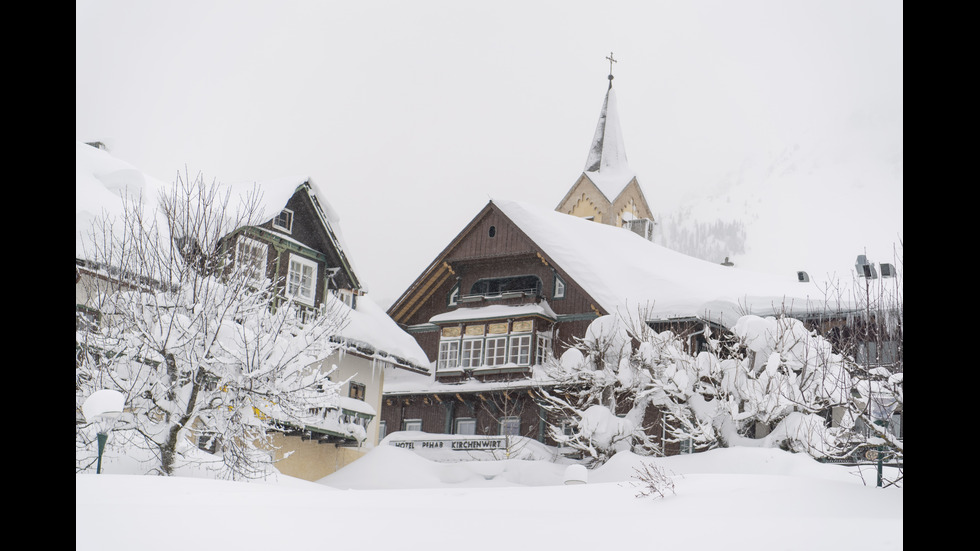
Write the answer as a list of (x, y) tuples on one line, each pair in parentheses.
[(771, 382), (203, 350)]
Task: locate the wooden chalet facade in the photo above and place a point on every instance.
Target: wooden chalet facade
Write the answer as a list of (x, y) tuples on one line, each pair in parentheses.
[(491, 310)]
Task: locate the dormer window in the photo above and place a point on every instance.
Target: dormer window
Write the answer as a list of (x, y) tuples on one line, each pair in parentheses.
[(284, 221)]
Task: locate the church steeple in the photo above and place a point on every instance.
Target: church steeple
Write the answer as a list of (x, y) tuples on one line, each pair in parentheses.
[(607, 154), (607, 191)]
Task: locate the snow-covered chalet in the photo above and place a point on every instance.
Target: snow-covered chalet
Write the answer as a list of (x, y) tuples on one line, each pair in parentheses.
[(302, 246), (520, 282)]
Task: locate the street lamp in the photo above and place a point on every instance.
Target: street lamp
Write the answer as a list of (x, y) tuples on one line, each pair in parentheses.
[(883, 405), (102, 409)]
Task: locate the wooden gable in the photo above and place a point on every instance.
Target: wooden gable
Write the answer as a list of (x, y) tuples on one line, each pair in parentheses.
[(491, 246), (308, 235)]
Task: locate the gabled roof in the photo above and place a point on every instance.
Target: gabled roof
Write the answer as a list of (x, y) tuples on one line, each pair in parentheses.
[(624, 273)]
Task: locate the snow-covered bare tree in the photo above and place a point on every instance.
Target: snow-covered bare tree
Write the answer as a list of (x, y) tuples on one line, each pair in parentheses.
[(874, 337), (769, 381), (198, 344), (773, 374), (505, 410), (596, 378)]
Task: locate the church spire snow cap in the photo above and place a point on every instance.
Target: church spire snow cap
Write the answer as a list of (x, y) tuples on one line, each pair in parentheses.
[(607, 153)]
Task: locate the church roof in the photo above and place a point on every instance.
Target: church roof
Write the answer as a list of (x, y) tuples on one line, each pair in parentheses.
[(606, 165)]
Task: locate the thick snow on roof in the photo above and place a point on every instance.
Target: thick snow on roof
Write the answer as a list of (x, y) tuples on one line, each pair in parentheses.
[(101, 181), (495, 311), (369, 325), (624, 273), (606, 165)]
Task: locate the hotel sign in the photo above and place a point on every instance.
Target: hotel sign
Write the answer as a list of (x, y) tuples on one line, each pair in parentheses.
[(481, 443)]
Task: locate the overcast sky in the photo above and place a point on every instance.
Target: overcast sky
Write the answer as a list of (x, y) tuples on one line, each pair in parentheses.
[(411, 115)]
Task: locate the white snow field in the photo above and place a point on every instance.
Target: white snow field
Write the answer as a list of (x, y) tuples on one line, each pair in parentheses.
[(727, 499)]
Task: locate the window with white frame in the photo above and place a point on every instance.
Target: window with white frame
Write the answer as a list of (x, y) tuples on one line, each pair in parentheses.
[(520, 349), (284, 221), (301, 281), (412, 424), (448, 355), (559, 287), (466, 425), (251, 256), (542, 349), (510, 426), (472, 354), (453, 299), (496, 353)]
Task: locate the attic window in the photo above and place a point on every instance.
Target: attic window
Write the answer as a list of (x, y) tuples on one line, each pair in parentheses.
[(284, 221), (559, 287), (492, 232)]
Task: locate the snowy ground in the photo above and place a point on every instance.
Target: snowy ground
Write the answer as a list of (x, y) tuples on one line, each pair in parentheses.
[(731, 500)]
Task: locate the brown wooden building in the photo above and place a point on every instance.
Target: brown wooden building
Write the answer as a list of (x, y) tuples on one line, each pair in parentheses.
[(520, 283)]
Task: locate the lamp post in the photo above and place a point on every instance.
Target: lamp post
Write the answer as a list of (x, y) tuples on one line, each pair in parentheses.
[(883, 405), (102, 408)]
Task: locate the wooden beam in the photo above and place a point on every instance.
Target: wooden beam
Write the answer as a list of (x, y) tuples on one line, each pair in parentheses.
[(420, 295)]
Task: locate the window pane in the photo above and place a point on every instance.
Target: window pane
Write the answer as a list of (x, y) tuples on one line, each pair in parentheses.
[(543, 350), (510, 426), (413, 424), (301, 281), (496, 351), (472, 352), (448, 355), (466, 426), (520, 350), (251, 255)]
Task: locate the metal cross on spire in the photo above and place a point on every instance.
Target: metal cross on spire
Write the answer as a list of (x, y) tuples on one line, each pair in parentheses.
[(611, 61)]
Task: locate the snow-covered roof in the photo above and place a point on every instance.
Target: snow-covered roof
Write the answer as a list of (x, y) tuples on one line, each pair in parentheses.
[(369, 327), (624, 273), (606, 165), (101, 180), (495, 311)]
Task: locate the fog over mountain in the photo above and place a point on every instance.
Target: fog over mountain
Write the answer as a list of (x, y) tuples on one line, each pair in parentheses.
[(813, 205)]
